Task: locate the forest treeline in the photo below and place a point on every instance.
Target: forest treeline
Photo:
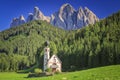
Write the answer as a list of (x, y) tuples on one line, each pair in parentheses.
[(91, 46)]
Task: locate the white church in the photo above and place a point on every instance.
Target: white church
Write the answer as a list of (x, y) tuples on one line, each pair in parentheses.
[(51, 62)]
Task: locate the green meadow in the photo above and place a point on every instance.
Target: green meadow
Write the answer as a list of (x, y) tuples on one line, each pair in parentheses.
[(100, 73)]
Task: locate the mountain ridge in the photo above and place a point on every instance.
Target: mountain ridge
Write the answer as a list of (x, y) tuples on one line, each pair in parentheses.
[(66, 17)]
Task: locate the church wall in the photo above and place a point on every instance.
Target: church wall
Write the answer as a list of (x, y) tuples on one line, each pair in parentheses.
[(51, 61)]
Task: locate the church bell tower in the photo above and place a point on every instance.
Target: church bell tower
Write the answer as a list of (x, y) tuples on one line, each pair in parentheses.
[(46, 55)]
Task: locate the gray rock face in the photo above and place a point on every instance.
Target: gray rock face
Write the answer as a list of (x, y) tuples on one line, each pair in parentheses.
[(64, 17), (68, 18), (17, 21), (37, 15), (30, 17)]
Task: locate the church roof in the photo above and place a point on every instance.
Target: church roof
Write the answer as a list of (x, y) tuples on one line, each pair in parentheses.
[(56, 57)]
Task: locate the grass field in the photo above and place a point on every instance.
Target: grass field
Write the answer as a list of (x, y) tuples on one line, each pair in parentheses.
[(101, 73)]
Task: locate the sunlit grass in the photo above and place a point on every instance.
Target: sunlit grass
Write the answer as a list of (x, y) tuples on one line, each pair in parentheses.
[(102, 73)]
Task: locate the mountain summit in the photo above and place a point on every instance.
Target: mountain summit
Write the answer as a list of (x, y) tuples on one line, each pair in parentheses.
[(17, 21), (37, 15), (66, 17)]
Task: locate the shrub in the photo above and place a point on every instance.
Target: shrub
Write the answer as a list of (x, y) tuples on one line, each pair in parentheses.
[(37, 70), (57, 72), (48, 70)]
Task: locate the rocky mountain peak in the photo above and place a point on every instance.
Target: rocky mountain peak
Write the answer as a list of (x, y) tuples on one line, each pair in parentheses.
[(21, 18), (80, 12), (36, 9), (17, 21), (80, 9), (91, 18), (66, 8), (30, 17), (37, 15), (66, 17), (86, 9)]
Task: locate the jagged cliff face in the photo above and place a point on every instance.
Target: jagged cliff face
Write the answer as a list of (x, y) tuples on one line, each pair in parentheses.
[(37, 15), (66, 18), (30, 17), (17, 21)]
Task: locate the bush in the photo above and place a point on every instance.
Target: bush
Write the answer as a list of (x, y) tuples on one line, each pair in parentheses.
[(40, 74), (57, 72), (37, 71), (48, 70)]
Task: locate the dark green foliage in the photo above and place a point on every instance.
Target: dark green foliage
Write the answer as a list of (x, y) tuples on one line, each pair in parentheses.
[(92, 46)]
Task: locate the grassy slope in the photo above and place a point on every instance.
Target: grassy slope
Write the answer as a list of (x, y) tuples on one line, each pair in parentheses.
[(102, 73)]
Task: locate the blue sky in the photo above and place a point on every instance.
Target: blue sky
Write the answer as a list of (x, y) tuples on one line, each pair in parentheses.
[(14, 8)]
